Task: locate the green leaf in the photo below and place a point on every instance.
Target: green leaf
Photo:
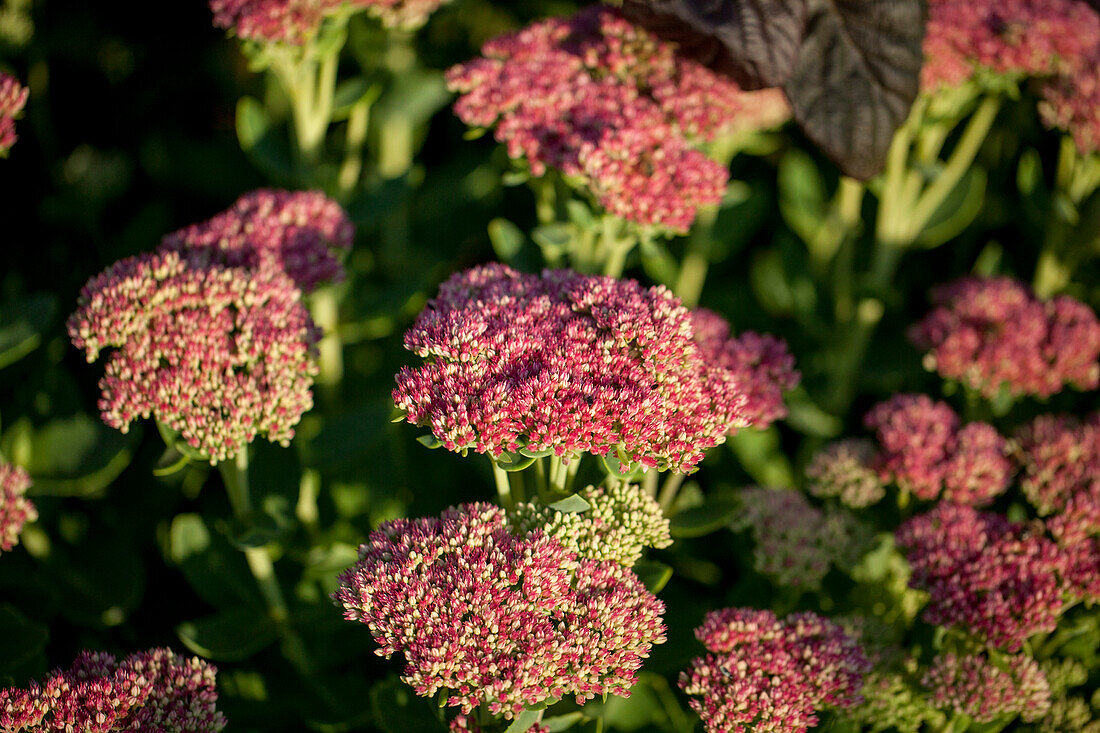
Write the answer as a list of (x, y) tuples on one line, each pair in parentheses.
[(22, 641), (171, 461), (655, 575), (614, 465), (507, 239), (398, 710), (807, 418), (513, 461), (525, 720), (560, 723), (430, 442), (73, 456), (229, 636), (572, 504), (213, 568), (351, 92), (802, 199), (265, 147), (762, 456), (957, 211), (22, 324), (714, 514)]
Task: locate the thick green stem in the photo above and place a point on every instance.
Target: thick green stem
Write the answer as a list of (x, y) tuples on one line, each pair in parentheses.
[(841, 222), (558, 474), (693, 269), (235, 476), (669, 491), (651, 482), (504, 487), (356, 136), (325, 308)]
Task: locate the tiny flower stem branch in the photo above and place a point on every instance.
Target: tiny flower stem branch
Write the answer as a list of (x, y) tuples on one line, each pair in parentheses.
[(235, 476)]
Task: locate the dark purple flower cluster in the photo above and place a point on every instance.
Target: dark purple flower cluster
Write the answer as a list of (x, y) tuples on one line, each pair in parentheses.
[(498, 619), (611, 106), (994, 334), (13, 97), (999, 580), (925, 450), (148, 691), (767, 674), (15, 508), (758, 366), (566, 362), (302, 233)]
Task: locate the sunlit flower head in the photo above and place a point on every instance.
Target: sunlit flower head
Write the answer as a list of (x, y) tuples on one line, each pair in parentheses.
[(13, 97), (296, 21), (1060, 457), (975, 685), (15, 508)]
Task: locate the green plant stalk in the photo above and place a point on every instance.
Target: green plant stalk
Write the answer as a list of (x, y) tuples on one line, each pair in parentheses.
[(504, 487), (651, 482), (571, 472), (557, 474), (669, 491), (1055, 265), (235, 476), (355, 139), (696, 262), (325, 309)]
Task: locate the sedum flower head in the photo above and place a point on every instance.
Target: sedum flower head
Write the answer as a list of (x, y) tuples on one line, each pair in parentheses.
[(770, 675), (796, 543), (1060, 457), (1001, 581), (296, 21), (757, 365), (622, 521), (844, 469), (155, 690), (985, 689), (218, 354), (994, 334), (15, 508), (925, 450), (301, 233), (498, 619), (614, 108), (891, 703), (568, 362), (13, 97)]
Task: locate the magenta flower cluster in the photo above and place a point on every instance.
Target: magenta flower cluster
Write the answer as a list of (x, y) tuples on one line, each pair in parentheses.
[(1060, 458), (498, 619), (566, 362), (15, 508), (155, 690), (302, 233), (975, 685), (13, 97), (999, 580), (994, 334), (926, 451), (218, 354), (612, 107), (756, 365), (770, 675), (296, 21)]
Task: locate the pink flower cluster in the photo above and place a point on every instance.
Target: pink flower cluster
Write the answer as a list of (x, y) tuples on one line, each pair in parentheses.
[(497, 619), (766, 674), (568, 362), (148, 691), (923, 448), (757, 365), (13, 97), (609, 105), (974, 685), (845, 469), (296, 21), (15, 508), (1060, 457), (993, 334), (218, 354), (301, 233), (999, 580)]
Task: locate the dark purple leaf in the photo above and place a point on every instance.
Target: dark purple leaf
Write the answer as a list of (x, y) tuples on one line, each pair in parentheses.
[(857, 75), (754, 41)]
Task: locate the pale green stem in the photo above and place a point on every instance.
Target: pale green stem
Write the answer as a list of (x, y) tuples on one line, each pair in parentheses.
[(352, 167), (840, 223), (571, 471), (546, 196), (306, 509), (259, 561), (693, 269), (557, 474), (669, 491), (504, 487), (325, 308), (651, 482)]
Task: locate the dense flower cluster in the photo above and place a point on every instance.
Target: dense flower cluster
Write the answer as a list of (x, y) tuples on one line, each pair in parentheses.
[(1018, 37), (563, 361), (796, 543), (606, 103), (994, 334), (621, 523), (13, 96), (766, 674), (496, 618), (1001, 581), (301, 233), (155, 690), (759, 365), (845, 469), (923, 448), (891, 703), (15, 508), (1060, 457), (296, 21), (974, 685), (218, 354)]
